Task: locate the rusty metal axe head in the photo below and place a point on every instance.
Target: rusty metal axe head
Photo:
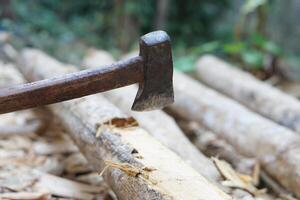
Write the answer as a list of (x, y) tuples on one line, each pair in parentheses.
[(156, 91)]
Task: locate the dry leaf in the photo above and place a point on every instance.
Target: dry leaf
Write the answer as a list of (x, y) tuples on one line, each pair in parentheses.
[(234, 179)]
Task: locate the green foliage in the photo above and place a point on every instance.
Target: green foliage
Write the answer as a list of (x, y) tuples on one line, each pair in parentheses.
[(252, 58), (62, 27), (234, 47), (194, 21), (252, 51), (207, 47), (185, 63), (66, 28)]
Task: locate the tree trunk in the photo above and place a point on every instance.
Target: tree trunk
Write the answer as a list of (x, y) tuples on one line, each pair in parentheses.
[(161, 14), (141, 168), (274, 146), (245, 88)]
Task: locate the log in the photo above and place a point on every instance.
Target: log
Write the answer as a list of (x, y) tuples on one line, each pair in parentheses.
[(249, 91), (160, 125), (274, 146), (165, 129), (139, 166), (213, 146)]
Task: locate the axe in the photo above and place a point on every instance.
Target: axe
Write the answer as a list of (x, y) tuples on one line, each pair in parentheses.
[(152, 69)]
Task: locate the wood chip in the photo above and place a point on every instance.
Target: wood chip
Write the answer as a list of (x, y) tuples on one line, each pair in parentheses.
[(28, 160), (52, 165), (12, 130), (17, 179), (91, 178), (66, 188), (16, 143), (235, 179), (77, 163), (25, 195), (57, 146)]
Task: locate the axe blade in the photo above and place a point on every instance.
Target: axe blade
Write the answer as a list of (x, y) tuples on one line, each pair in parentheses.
[(156, 91)]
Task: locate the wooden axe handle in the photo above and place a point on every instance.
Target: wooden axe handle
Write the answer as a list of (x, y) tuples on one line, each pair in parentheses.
[(71, 86)]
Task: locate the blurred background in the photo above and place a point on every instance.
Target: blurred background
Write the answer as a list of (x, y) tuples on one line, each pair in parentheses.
[(260, 36)]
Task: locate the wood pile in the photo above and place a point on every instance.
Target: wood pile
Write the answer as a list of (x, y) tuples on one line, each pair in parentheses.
[(39, 161), (249, 91), (136, 165), (205, 146)]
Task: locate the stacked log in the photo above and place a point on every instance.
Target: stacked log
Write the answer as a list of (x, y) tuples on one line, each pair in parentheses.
[(214, 146), (165, 129), (139, 167), (274, 146), (251, 92)]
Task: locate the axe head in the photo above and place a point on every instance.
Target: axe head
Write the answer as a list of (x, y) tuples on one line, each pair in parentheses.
[(156, 91)]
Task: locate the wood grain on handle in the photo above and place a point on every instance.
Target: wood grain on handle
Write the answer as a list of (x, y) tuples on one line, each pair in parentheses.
[(71, 86)]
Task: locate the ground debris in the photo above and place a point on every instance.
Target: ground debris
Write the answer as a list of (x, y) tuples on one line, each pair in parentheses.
[(17, 178), (39, 195), (55, 146), (43, 166), (76, 163), (66, 188), (236, 180)]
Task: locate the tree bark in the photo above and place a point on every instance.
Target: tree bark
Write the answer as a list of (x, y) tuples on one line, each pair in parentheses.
[(161, 14), (142, 167), (274, 146), (245, 88)]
